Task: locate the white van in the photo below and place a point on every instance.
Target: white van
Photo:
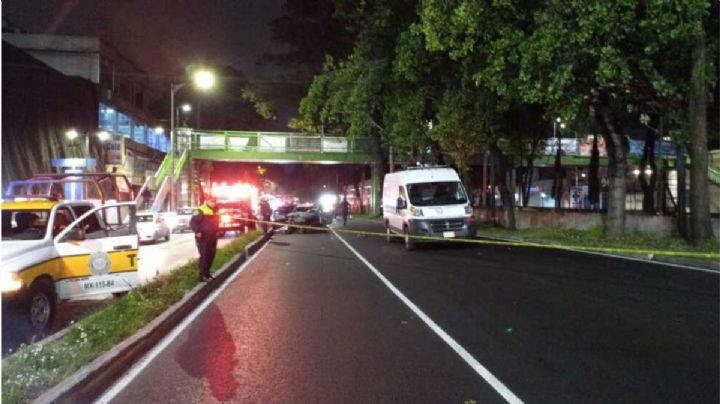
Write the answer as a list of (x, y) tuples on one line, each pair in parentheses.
[(429, 202)]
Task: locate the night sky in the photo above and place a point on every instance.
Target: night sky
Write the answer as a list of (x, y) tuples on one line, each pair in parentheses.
[(163, 36)]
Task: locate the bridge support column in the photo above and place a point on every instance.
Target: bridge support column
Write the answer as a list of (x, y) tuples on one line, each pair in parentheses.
[(376, 200)]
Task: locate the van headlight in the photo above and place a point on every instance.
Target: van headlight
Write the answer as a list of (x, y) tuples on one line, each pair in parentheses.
[(416, 211), (10, 282), (468, 210)]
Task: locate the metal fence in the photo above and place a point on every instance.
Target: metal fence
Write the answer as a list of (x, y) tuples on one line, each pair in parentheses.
[(269, 142)]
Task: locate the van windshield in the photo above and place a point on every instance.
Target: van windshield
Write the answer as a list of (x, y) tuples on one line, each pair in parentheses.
[(436, 193)]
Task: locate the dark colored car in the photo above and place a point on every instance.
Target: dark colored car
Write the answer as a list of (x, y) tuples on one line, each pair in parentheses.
[(305, 216), (280, 214)]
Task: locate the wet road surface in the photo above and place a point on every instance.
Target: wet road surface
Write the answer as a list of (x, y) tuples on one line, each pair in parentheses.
[(308, 321)]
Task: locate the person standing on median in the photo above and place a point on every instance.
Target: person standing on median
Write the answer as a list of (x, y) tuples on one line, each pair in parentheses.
[(204, 223), (344, 210)]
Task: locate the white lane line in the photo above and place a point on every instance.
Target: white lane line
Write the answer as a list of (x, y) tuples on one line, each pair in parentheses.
[(481, 370), (134, 371)]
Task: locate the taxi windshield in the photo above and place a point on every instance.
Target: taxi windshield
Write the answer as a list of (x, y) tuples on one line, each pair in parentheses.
[(24, 224)]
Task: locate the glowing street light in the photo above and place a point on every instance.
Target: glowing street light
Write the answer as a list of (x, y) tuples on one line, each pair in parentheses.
[(186, 108), (204, 79), (159, 130), (72, 134), (103, 136)]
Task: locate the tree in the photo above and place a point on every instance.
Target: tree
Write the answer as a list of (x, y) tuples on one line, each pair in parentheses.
[(359, 94), (700, 224)]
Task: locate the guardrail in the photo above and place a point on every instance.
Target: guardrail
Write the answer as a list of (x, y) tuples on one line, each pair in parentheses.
[(270, 142)]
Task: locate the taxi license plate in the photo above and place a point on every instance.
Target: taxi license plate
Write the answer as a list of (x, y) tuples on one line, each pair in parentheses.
[(448, 234)]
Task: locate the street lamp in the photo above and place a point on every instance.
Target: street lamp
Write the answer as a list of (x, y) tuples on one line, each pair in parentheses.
[(73, 134), (103, 136), (203, 80), (185, 108), (562, 126)]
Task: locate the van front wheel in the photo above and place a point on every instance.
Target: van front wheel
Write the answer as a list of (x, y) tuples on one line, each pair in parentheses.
[(409, 242)]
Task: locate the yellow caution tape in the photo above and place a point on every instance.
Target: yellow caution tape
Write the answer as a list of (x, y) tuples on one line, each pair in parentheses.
[(644, 252)]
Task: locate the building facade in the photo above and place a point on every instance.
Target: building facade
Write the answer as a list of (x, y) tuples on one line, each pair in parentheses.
[(125, 106)]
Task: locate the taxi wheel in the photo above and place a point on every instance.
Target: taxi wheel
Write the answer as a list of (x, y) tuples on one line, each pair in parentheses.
[(409, 242), (41, 305)]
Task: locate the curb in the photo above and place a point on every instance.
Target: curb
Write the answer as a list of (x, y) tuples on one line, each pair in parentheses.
[(709, 266), (90, 381)]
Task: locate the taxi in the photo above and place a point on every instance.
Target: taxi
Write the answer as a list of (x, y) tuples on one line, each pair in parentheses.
[(54, 250)]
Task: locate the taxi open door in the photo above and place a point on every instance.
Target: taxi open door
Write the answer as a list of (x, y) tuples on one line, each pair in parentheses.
[(98, 252)]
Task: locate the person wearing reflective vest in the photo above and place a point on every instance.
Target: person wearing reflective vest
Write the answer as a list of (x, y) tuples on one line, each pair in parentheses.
[(204, 223)]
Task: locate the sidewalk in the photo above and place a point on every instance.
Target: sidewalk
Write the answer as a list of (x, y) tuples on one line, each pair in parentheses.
[(658, 259)]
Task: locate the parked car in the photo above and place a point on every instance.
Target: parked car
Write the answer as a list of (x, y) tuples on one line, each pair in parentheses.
[(182, 219), (280, 215), (304, 216), (151, 227)]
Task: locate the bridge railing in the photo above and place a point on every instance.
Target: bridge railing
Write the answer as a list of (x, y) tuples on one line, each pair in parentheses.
[(270, 142)]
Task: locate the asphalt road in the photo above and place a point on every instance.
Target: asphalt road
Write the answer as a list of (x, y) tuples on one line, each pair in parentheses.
[(308, 321), (154, 260)]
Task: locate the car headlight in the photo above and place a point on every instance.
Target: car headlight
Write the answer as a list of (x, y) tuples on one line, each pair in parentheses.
[(468, 210), (10, 282), (416, 211)]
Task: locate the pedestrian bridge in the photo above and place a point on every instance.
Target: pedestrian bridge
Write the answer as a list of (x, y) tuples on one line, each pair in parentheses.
[(273, 147), (246, 146)]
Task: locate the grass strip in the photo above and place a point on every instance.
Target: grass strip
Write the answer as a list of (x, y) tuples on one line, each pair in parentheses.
[(596, 238), (36, 368)]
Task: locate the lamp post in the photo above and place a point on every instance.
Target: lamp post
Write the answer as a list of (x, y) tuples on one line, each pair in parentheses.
[(204, 80), (557, 181), (104, 136)]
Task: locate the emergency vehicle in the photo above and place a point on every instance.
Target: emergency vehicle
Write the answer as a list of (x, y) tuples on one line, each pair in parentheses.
[(236, 204)]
